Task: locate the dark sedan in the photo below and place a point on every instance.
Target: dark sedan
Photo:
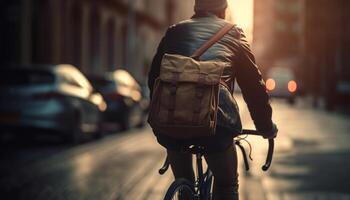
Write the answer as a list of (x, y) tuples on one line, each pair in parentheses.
[(125, 103), (47, 99)]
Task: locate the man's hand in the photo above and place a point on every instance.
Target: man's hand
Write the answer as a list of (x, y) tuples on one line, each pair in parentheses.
[(270, 134)]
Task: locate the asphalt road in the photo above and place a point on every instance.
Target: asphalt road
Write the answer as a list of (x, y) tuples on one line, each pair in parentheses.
[(312, 160)]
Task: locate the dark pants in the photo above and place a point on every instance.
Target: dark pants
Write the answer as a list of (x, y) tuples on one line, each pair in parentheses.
[(223, 164)]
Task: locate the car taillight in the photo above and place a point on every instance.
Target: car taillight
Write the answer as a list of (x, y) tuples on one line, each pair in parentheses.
[(292, 86), (113, 96), (48, 96), (270, 84)]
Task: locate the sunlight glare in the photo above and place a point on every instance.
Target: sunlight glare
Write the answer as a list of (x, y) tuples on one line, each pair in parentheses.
[(242, 12)]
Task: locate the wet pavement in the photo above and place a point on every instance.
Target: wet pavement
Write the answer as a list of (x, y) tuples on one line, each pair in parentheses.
[(312, 160), (312, 157), (111, 168)]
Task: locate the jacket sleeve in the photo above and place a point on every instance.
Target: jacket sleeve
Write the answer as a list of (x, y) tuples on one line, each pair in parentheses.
[(155, 66), (253, 87)]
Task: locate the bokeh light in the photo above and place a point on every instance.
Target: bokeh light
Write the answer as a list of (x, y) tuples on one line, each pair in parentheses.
[(242, 12), (292, 86), (270, 84)]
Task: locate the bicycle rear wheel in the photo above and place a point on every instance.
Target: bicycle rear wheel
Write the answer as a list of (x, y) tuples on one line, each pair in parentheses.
[(180, 189)]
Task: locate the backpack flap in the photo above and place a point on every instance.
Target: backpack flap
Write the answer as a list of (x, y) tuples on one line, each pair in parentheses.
[(186, 69)]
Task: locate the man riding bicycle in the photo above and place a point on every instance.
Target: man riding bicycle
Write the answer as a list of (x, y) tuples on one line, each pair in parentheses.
[(183, 39)]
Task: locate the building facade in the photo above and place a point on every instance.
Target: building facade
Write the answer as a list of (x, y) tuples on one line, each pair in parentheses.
[(312, 37), (278, 27), (327, 49), (94, 35)]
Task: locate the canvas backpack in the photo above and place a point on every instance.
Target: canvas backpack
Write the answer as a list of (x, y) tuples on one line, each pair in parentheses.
[(185, 96)]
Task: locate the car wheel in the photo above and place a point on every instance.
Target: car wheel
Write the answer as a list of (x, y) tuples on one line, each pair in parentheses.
[(75, 135), (140, 125), (142, 122), (125, 124), (99, 133), (125, 121), (291, 100)]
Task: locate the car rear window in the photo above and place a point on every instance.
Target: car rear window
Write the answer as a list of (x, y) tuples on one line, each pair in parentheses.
[(280, 73), (25, 77), (101, 84)]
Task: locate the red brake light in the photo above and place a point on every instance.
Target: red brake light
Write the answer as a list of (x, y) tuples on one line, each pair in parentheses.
[(270, 84), (292, 86)]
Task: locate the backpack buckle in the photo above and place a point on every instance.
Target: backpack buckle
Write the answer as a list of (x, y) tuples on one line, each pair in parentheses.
[(174, 81), (200, 85), (173, 89)]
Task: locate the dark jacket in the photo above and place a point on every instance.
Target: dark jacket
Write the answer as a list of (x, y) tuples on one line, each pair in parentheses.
[(186, 37)]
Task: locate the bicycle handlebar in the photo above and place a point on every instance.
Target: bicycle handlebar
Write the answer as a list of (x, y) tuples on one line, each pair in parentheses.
[(269, 156), (265, 167), (165, 167)]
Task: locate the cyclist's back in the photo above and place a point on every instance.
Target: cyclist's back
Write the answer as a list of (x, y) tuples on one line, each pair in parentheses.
[(184, 39)]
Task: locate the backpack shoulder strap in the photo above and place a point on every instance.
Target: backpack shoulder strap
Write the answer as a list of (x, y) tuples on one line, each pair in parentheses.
[(199, 52)]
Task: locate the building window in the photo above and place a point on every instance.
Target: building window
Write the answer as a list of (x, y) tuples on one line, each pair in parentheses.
[(76, 31), (94, 31), (111, 44)]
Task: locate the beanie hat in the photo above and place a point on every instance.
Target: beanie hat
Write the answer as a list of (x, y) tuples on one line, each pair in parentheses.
[(210, 5)]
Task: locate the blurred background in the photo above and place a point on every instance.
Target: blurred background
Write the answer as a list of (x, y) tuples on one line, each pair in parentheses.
[(77, 69), (308, 37)]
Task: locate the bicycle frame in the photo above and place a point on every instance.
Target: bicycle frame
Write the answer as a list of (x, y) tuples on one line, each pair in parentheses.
[(200, 178), (199, 182), (199, 185)]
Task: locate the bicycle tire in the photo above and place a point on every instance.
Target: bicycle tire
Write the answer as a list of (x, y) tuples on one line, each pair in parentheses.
[(208, 183), (178, 187)]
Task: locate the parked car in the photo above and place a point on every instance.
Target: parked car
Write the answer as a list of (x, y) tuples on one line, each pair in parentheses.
[(281, 82), (125, 105), (145, 100), (49, 98)]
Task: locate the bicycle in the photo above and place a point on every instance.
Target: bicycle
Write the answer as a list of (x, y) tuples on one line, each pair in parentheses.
[(202, 187)]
